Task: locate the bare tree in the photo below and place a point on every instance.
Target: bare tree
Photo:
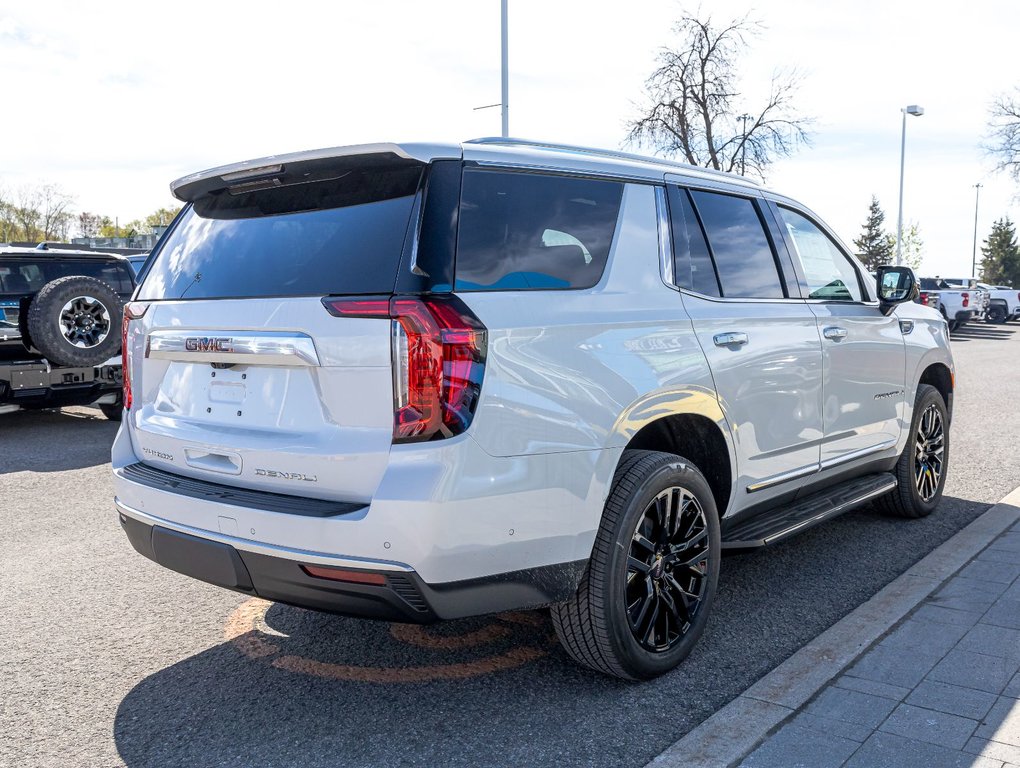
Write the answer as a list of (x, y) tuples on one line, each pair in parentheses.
[(691, 99), (54, 216), (27, 213), (88, 224), (1004, 133)]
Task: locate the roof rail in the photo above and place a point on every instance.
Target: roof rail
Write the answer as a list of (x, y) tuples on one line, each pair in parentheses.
[(613, 153)]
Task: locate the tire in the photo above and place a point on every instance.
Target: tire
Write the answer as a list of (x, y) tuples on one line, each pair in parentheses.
[(953, 325), (76, 321), (996, 314), (112, 411), (595, 625), (906, 499)]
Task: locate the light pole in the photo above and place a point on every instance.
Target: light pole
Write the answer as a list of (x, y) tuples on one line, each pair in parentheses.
[(973, 258), (916, 111), (505, 75), (743, 144)]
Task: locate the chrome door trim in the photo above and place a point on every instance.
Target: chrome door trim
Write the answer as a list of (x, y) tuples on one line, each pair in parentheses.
[(785, 477), (853, 455), (237, 347)]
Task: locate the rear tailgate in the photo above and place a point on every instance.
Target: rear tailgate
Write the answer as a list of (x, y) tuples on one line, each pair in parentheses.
[(269, 394), (239, 374)]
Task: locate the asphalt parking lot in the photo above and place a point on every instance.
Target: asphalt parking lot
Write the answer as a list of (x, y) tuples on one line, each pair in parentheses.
[(107, 659)]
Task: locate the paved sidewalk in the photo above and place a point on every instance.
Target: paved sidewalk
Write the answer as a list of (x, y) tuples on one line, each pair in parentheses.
[(926, 674)]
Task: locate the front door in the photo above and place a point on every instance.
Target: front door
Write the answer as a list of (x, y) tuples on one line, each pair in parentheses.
[(863, 351)]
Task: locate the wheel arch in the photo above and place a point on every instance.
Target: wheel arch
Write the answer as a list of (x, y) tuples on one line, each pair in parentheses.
[(940, 376), (689, 423)]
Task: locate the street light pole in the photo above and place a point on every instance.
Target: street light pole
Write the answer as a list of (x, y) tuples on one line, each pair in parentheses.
[(505, 75), (743, 144), (973, 259), (916, 111)]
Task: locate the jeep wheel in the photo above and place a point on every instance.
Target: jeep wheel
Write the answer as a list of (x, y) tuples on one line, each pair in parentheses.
[(922, 467), (76, 321), (645, 596), (996, 314)]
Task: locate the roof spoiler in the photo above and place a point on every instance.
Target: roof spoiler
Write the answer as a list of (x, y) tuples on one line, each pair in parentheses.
[(311, 165)]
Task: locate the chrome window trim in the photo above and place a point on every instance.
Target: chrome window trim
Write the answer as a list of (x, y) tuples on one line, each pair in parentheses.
[(666, 267)]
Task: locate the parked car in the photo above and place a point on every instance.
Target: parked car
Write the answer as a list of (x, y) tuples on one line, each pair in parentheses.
[(630, 366), (137, 261), (953, 303), (60, 334), (1004, 303)]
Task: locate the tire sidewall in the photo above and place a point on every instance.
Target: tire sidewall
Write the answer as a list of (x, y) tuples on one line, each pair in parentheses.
[(928, 396), (639, 662), (44, 314)]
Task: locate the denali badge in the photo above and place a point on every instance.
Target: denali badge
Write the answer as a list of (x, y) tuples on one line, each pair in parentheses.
[(208, 344), (285, 475)]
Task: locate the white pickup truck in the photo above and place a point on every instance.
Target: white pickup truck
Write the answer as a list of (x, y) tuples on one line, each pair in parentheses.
[(956, 304), (1004, 303), (980, 297)]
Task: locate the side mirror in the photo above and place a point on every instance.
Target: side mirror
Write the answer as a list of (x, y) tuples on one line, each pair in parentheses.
[(896, 285)]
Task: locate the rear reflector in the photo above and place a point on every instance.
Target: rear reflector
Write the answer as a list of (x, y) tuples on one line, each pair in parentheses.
[(966, 299), (438, 349), (338, 574)]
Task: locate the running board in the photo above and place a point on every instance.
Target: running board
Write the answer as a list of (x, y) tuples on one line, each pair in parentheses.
[(783, 522)]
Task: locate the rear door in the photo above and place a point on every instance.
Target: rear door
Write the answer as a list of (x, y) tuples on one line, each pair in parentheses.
[(759, 337), (239, 373), (863, 350)]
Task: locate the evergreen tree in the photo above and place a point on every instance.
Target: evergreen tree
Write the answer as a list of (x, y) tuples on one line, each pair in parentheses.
[(875, 247), (1001, 262)]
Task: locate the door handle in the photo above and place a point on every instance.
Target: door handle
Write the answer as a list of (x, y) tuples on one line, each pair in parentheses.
[(730, 339), (834, 333)]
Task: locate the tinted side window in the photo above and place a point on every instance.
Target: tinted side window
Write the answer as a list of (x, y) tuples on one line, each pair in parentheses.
[(521, 231), (743, 256), (692, 264), (827, 270)]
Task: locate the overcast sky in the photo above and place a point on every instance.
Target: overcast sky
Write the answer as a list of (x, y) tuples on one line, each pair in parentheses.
[(114, 100)]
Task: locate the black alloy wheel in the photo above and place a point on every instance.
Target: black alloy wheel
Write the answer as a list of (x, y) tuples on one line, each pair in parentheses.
[(667, 571)]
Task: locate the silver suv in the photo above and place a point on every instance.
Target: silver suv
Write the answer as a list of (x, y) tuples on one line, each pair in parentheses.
[(422, 382)]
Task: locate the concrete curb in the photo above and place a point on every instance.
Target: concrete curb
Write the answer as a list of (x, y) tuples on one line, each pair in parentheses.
[(731, 733)]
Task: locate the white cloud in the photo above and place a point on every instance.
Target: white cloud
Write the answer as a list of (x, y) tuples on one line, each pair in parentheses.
[(114, 101)]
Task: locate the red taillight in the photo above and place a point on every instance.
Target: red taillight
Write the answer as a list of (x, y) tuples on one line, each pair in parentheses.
[(338, 574), (966, 299), (438, 350), (132, 311), (923, 298)]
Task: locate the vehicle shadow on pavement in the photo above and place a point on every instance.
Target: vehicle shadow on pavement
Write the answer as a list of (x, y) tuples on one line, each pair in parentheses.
[(291, 687), (54, 440), (982, 331)]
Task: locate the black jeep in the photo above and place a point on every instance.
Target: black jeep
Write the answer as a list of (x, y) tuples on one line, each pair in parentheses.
[(60, 328)]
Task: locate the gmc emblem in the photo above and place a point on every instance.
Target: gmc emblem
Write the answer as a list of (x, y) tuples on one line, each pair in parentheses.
[(208, 344)]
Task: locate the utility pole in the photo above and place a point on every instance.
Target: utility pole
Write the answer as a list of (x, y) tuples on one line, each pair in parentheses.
[(973, 258), (505, 67), (743, 144)]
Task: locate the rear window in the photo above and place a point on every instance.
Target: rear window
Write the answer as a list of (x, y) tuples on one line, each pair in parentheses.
[(341, 235), (522, 231), (743, 256), (21, 277)]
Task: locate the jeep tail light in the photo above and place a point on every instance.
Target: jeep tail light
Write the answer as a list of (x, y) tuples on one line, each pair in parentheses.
[(133, 310), (438, 348), (966, 299)]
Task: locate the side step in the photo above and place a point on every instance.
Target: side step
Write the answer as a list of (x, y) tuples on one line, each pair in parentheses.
[(781, 523)]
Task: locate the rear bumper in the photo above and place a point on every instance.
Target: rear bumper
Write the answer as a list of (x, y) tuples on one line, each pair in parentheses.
[(35, 384), (396, 592)]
